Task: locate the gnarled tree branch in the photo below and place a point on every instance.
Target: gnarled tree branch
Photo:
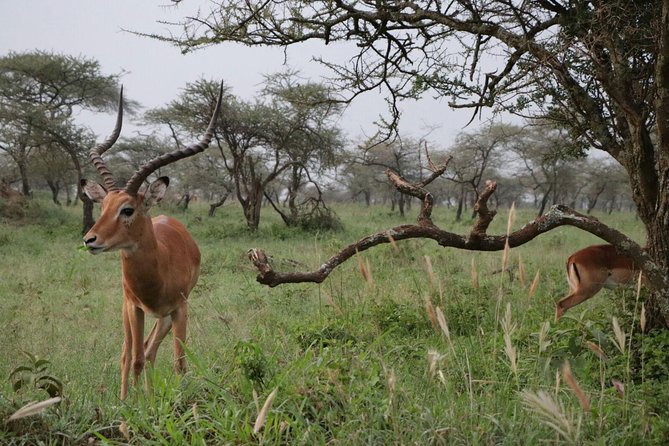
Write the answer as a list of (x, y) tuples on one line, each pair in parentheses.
[(477, 240)]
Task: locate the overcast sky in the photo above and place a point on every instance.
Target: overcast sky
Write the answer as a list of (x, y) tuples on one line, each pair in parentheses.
[(155, 72)]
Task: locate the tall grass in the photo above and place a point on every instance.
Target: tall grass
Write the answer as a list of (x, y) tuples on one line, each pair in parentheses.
[(343, 362)]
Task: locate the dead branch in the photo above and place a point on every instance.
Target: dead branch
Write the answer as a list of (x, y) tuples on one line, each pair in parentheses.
[(477, 240)]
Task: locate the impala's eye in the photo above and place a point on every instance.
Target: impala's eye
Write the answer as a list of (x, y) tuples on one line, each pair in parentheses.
[(127, 212)]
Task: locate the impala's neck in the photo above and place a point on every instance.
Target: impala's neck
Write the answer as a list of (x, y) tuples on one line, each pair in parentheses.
[(140, 264)]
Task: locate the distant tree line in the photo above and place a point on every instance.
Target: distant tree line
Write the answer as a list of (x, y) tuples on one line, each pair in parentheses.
[(283, 150)]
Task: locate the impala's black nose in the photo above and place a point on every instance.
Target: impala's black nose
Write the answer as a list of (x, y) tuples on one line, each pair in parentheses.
[(90, 240)]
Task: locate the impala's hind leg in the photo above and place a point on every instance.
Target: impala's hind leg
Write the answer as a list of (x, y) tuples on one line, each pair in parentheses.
[(179, 322), (155, 337), (583, 284)]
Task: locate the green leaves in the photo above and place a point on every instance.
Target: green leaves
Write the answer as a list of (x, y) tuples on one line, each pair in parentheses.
[(34, 375)]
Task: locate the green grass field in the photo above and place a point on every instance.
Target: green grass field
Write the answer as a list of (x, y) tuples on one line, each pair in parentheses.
[(348, 361)]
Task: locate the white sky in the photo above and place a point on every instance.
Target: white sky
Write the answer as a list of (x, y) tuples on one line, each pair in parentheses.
[(157, 71)]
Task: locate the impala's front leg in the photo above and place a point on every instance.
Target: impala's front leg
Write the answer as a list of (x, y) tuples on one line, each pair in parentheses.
[(179, 323), (136, 319), (126, 353)]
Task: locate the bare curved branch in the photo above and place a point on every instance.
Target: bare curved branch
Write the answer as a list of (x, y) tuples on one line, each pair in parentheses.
[(476, 240)]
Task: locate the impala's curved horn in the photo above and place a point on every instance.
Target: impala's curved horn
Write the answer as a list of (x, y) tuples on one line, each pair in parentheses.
[(134, 183), (95, 154)]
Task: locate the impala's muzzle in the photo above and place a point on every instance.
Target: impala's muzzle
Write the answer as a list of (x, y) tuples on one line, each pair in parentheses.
[(89, 243)]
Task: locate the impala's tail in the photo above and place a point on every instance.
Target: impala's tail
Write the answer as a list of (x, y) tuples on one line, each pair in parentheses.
[(573, 276)]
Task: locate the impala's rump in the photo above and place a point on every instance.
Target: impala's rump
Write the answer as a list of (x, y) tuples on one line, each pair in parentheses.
[(591, 269)]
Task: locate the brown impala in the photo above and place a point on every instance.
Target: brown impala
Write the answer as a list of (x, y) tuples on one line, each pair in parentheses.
[(160, 261), (593, 268)]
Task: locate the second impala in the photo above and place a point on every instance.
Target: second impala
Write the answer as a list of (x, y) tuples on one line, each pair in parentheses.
[(593, 268)]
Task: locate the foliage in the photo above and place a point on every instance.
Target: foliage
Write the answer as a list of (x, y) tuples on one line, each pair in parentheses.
[(34, 375), (285, 136), (41, 93), (353, 361)]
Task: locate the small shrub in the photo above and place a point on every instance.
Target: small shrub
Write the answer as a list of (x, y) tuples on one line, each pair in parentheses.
[(250, 358), (403, 319), (34, 376), (324, 336)]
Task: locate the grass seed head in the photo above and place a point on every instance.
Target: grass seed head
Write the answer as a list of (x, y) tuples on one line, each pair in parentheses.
[(262, 415), (575, 387)]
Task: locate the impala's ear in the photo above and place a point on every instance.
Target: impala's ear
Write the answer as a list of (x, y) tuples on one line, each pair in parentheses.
[(93, 190), (155, 192)]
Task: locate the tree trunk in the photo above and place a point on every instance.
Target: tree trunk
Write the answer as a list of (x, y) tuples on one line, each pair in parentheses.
[(252, 206), (55, 190), (25, 183), (461, 202), (89, 221), (400, 204), (544, 200), (216, 205), (648, 170)]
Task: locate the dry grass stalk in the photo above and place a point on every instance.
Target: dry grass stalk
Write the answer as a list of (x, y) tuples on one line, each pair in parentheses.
[(434, 359), (475, 274), (124, 430), (553, 415), (597, 350), (642, 319), (511, 219), (262, 415), (442, 323), (256, 400), (33, 409), (620, 387), (505, 255), (575, 387), (544, 343), (508, 327), (393, 244), (522, 276), (535, 285), (430, 270), (392, 382), (331, 302), (441, 377), (619, 334), (431, 314), (364, 268)]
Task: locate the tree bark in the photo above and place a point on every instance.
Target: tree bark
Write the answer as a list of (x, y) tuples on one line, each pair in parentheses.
[(88, 220)]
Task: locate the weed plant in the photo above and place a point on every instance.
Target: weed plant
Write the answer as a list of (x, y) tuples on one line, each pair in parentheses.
[(431, 346)]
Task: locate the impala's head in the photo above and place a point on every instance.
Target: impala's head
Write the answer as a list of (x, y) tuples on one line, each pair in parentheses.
[(124, 216), (124, 211)]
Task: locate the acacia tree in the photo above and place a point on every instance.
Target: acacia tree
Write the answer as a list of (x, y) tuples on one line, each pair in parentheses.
[(39, 94), (475, 155), (261, 140), (545, 156), (301, 128), (600, 69)]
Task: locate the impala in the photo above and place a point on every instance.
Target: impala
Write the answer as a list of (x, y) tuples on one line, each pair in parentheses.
[(593, 268), (160, 261)]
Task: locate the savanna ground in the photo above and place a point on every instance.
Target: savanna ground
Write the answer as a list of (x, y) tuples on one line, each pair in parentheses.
[(350, 361)]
